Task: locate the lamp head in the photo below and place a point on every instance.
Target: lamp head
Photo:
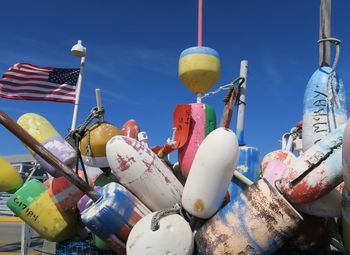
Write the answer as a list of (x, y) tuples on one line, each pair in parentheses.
[(78, 50)]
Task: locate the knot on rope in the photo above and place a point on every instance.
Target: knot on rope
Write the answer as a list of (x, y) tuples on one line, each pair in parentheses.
[(176, 209)]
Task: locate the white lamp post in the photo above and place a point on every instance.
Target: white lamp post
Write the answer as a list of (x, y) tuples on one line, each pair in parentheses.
[(78, 50)]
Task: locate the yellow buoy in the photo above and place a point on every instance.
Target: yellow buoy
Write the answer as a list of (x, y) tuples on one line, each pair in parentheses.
[(10, 179), (199, 68), (93, 143)]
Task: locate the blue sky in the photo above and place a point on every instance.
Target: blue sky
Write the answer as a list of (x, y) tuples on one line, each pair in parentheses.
[(133, 49)]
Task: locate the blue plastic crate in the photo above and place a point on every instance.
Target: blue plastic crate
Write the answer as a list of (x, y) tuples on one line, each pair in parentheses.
[(80, 248)]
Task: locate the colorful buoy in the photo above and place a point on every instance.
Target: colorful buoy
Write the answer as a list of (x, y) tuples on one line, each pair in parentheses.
[(202, 122), (199, 68), (93, 144), (33, 204), (10, 179), (42, 130), (131, 129)]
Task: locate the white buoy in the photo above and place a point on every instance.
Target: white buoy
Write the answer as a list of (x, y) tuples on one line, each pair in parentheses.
[(173, 237), (141, 171), (211, 173)]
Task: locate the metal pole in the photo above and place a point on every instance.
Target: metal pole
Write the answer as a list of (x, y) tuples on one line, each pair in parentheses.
[(77, 92), (99, 102), (325, 32), (241, 103), (26, 237)]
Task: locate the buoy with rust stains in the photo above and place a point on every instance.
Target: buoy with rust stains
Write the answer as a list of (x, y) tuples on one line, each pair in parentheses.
[(93, 143), (143, 173), (115, 212), (202, 122), (316, 172), (258, 221), (211, 173), (42, 130), (10, 179), (173, 235)]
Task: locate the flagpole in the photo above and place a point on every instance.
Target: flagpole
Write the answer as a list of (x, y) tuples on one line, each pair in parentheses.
[(78, 50)]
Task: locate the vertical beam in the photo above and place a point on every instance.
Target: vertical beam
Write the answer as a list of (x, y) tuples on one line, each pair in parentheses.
[(242, 103), (325, 32)]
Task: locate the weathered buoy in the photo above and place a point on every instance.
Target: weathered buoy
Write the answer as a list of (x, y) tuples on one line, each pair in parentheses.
[(33, 204), (213, 166), (248, 165), (64, 194), (324, 106), (10, 179), (143, 173), (346, 156), (42, 130), (115, 212), (258, 221), (93, 144), (274, 164), (173, 236), (131, 129), (316, 172), (346, 219), (202, 122), (199, 68)]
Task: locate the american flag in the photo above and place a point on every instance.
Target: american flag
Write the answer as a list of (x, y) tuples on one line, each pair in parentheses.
[(24, 81)]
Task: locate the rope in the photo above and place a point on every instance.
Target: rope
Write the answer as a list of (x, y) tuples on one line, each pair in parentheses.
[(160, 214), (332, 100), (224, 87)]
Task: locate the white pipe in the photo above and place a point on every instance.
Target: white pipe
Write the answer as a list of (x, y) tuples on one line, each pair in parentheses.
[(77, 93)]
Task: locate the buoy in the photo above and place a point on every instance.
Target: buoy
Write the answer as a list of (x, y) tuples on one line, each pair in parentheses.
[(33, 204), (346, 156), (93, 144), (274, 164), (248, 165), (131, 129), (316, 172), (64, 194), (320, 95), (202, 122), (42, 130), (10, 179), (143, 173), (211, 173), (199, 68), (258, 221), (115, 212), (346, 219), (173, 235)]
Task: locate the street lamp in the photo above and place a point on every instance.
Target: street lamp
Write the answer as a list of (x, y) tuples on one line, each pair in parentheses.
[(78, 50)]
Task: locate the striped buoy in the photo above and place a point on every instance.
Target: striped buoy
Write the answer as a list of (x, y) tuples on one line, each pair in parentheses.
[(33, 204), (42, 130), (199, 68), (202, 122)]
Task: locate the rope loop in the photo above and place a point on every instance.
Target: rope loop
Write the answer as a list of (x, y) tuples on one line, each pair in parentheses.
[(176, 209), (239, 80)]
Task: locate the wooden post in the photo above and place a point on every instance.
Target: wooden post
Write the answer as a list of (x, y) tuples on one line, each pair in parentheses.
[(325, 32)]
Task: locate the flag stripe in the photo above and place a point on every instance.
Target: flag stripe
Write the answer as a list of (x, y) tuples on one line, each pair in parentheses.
[(31, 90), (34, 67), (34, 98), (39, 84), (24, 81)]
